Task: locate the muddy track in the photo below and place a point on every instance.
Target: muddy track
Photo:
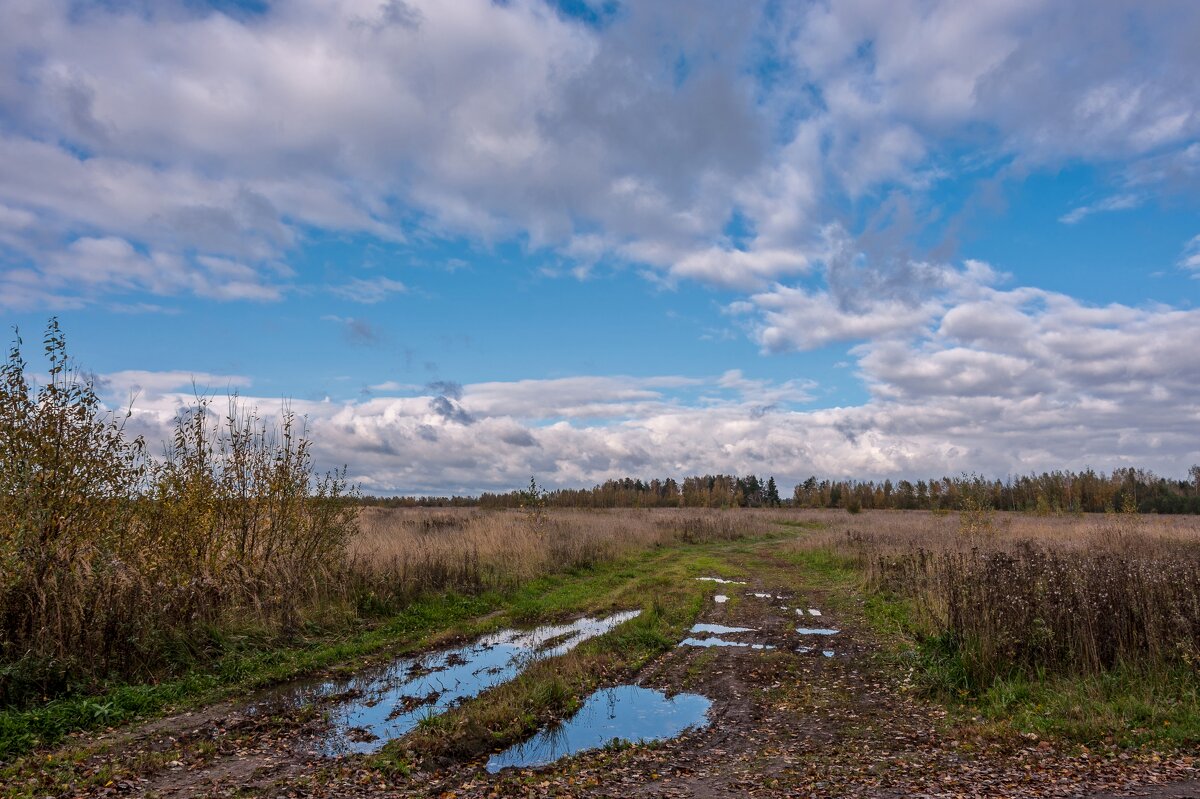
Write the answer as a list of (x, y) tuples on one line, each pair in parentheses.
[(782, 723)]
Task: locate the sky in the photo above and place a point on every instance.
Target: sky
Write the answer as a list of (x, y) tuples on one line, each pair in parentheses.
[(473, 241)]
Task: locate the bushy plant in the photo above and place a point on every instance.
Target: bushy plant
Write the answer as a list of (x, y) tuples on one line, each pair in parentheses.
[(112, 562)]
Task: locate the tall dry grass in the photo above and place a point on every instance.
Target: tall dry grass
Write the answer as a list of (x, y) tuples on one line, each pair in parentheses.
[(1015, 594), (114, 563), (406, 552)]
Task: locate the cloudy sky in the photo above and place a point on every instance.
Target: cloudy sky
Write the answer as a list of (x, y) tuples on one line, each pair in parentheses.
[(475, 240)]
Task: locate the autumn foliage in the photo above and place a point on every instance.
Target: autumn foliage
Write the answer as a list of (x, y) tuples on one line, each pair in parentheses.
[(113, 561)]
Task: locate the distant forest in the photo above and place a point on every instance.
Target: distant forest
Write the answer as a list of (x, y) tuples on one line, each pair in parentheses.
[(1051, 492)]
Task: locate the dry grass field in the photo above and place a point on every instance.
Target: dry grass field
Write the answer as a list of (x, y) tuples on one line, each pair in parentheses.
[(405, 552), (1008, 593)]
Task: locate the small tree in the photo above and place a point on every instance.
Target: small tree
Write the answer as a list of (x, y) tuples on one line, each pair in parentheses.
[(772, 495), (532, 501), (976, 513)]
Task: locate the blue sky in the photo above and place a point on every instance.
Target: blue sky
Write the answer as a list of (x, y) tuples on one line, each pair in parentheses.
[(474, 241)]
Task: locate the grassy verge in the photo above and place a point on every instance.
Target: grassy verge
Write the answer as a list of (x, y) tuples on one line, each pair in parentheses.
[(1124, 707), (1127, 706)]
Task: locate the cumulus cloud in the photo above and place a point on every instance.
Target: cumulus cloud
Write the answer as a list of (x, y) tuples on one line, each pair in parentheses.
[(183, 130), (1011, 381), (144, 385), (446, 388), (860, 301), (451, 411), (170, 149)]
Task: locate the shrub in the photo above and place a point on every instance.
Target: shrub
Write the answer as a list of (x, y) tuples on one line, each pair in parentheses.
[(113, 563)]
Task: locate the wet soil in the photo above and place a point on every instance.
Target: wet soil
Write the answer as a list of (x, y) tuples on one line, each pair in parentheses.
[(782, 723)]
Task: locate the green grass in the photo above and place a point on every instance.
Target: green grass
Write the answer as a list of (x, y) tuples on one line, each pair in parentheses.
[(1126, 706), (825, 566)]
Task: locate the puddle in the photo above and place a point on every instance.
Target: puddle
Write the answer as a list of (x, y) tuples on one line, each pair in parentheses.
[(814, 612), (385, 703), (722, 580), (627, 712), (804, 650), (719, 629), (763, 596), (720, 598), (721, 642), (816, 631)]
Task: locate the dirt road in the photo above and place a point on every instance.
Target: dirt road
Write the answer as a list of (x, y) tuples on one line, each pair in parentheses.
[(804, 715)]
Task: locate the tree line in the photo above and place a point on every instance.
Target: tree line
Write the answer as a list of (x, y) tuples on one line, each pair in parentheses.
[(1063, 491)]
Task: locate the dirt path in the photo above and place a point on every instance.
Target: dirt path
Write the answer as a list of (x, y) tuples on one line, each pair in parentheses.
[(783, 723)]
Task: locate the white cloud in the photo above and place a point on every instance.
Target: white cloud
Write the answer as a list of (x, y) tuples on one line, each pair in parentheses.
[(150, 386), (1118, 202), (183, 130), (172, 150), (369, 291), (796, 319), (1191, 256), (1009, 381)]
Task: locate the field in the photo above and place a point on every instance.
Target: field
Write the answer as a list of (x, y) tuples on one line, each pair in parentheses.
[(1049, 655)]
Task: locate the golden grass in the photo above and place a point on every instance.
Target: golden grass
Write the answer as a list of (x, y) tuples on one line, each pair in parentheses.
[(409, 551), (1012, 594)]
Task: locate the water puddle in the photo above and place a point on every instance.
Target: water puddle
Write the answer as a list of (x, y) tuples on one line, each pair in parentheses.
[(762, 596), (721, 580), (814, 612), (627, 713), (711, 641), (385, 703), (720, 599), (804, 650), (816, 631), (719, 629)]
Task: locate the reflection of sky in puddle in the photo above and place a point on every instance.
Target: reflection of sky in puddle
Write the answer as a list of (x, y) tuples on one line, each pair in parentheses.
[(720, 642), (721, 580), (627, 712), (720, 598), (804, 650), (718, 629), (391, 701), (816, 631)]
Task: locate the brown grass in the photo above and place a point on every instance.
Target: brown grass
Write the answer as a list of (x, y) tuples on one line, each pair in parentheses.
[(406, 552), (114, 563), (1011, 594)]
